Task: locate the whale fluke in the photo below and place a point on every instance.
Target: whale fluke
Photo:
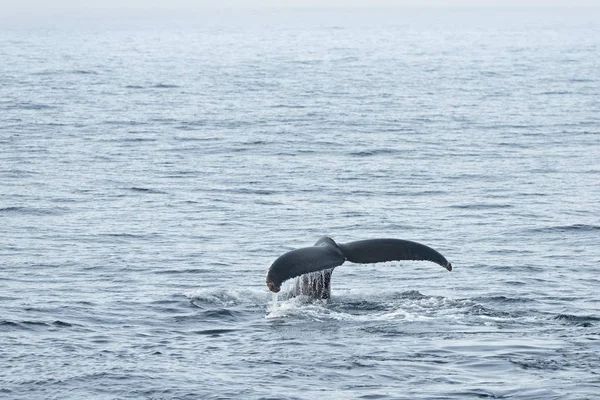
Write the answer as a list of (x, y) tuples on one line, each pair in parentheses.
[(381, 250), (327, 254)]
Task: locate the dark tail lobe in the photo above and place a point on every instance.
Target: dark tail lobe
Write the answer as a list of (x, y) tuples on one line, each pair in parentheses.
[(381, 250)]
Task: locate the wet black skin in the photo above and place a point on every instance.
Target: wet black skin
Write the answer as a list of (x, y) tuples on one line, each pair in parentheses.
[(314, 265)]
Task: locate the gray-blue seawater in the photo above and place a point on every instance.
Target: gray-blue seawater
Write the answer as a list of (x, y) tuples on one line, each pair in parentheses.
[(152, 171)]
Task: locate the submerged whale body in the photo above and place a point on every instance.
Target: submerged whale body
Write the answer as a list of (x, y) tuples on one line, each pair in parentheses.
[(314, 265)]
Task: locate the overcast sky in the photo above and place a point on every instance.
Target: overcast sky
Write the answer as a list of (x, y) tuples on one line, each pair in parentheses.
[(196, 4), (26, 13)]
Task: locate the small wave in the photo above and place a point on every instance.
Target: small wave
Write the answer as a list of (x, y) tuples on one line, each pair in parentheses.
[(183, 271), (146, 190), (584, 321), (45, 72), (83, 72), (223, 306), (373, 152), (134, 87), (581, 80), (556, 92), (28, 211), (62, 324), (124, 235), (480, 310), (65, 71), (186, 139), (306, 62), (215, 332), (122, 123), (537, 363), (504, 299), (34, 323), (28, 106), (267, 203), (11, 209), (211, 298), (361, 306), (509, 251), (421, 193), (488, 206), (396, 129), (193, 126), (138, 140), (293, 106), (516, 283), (165, 86), (583, 228), (256, 142), (412, 295), (262, 192), (26, 325), (219, 314)]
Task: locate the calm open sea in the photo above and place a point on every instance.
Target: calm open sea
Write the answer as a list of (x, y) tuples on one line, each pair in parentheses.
[(151, 171)]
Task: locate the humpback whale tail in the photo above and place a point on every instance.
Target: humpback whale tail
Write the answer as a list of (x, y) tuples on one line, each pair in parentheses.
[(327, 254)]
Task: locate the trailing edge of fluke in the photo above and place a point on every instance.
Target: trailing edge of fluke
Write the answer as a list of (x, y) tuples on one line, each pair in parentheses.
[(327, 254)]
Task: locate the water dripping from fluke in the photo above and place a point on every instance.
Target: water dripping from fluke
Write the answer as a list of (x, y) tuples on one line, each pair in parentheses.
[(274, 306)]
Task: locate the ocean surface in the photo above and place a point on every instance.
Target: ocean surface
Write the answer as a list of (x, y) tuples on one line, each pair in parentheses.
[(152, 170)]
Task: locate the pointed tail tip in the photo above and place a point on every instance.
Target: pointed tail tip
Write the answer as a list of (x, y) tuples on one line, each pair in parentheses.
[(273, 288)]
